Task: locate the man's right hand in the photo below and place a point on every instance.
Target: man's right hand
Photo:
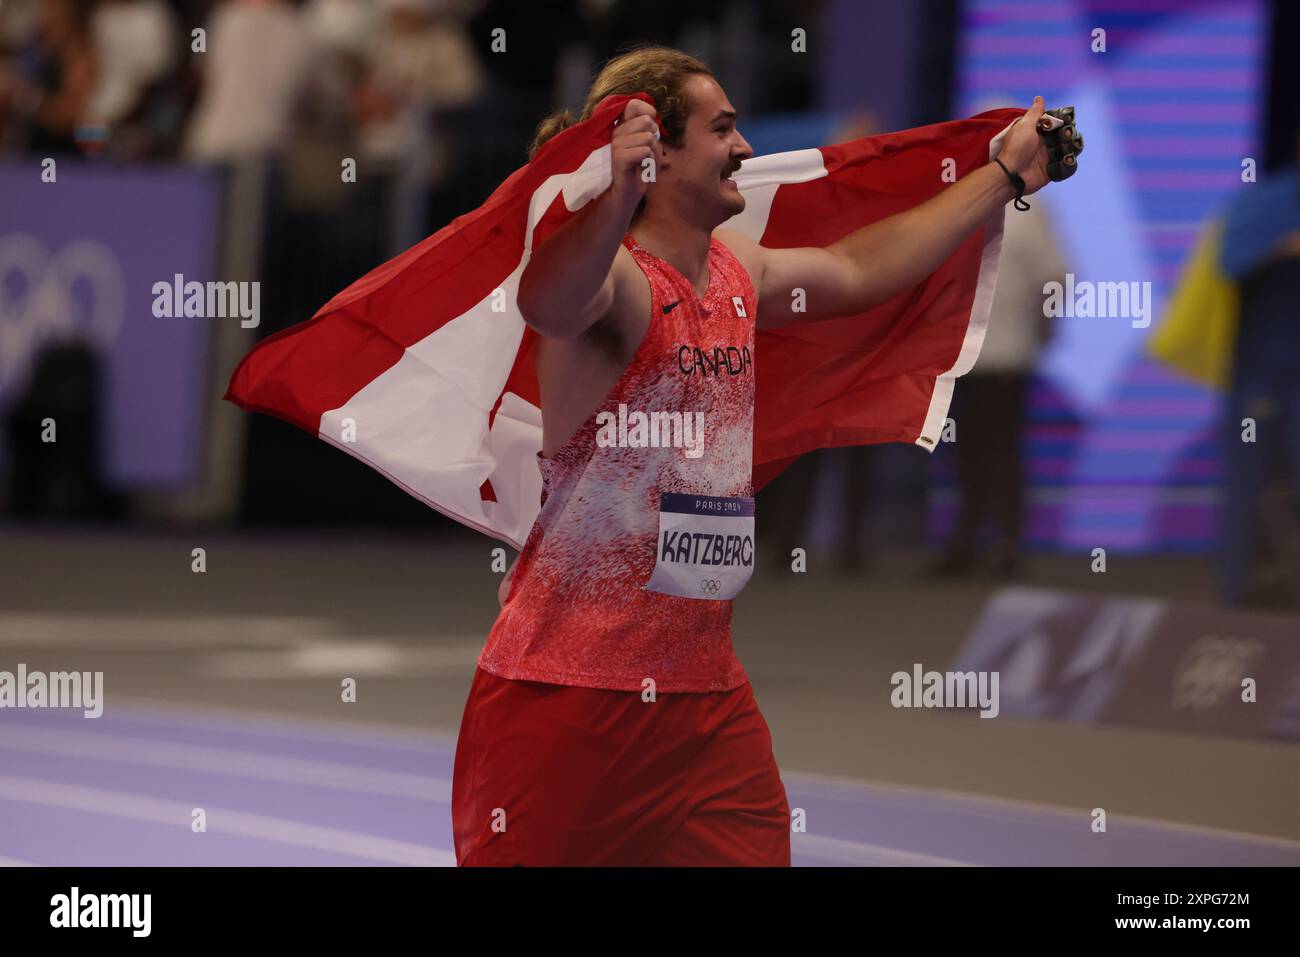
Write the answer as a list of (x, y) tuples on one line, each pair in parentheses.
[(636, 139), (571, 282)]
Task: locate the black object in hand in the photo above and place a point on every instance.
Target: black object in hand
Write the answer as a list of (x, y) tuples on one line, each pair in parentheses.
[(1064, 142)]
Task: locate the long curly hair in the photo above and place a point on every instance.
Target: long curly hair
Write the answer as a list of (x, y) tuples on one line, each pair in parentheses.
[(659, 71)]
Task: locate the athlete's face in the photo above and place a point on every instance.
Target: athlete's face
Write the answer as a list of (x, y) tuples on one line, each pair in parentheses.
[(710, 152)]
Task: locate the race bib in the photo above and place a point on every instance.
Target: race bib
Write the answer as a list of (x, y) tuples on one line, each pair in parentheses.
[(705, 547)]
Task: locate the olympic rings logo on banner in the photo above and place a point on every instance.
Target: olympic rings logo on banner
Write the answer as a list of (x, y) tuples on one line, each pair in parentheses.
[(710, 586), (79, 292)]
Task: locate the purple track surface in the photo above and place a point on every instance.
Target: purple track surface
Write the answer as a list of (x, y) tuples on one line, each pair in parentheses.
[(119, 790)]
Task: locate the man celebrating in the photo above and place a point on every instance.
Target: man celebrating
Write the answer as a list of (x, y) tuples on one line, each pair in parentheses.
[(609, 720)]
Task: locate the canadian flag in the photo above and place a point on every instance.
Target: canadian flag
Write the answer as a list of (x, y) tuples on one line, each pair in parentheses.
[(423, 367)]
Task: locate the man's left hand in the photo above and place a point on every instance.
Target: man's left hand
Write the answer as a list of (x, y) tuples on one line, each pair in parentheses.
[(1025, 152)]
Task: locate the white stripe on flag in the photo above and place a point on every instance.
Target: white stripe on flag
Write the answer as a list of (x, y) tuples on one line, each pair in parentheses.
[(424, 421), (758, 180), (982, 304)]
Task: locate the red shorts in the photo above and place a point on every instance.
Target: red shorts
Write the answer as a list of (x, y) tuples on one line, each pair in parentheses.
[(557, 775)]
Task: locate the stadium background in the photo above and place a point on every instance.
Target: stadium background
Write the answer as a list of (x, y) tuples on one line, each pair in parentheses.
[(223, 686)]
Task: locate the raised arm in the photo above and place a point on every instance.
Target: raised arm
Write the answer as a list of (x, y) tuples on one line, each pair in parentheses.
[(571, 281), (872, 264)]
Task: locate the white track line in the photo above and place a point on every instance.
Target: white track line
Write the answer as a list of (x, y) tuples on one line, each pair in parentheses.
[(178, 632), (816, 783), (858, 854), (357, 656), (11, 862), (221, 820), (289, 724), (248, 764)]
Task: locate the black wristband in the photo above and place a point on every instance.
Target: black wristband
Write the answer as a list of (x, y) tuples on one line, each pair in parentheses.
[(1018, 182)]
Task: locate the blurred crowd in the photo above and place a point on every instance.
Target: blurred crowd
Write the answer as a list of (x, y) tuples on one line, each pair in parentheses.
[(218, 80), (436, 103), (434, 100), (210, 82)]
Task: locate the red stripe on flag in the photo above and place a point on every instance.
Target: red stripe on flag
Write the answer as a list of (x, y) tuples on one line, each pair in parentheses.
[(866, 379), (303, 372)]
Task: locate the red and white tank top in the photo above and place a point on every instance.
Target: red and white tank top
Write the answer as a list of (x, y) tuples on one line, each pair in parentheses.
[(641, 496)]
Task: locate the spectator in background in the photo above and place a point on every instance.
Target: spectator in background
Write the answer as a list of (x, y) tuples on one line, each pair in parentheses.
[(253, 77), (423, 64), (19, 23), (990, 400), (19, 32), (343, 35), (136, 44), (346, 32), (1261, 252), (66, 76)]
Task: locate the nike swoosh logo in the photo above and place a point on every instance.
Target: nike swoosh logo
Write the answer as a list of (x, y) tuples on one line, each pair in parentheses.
[(670, 306)]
